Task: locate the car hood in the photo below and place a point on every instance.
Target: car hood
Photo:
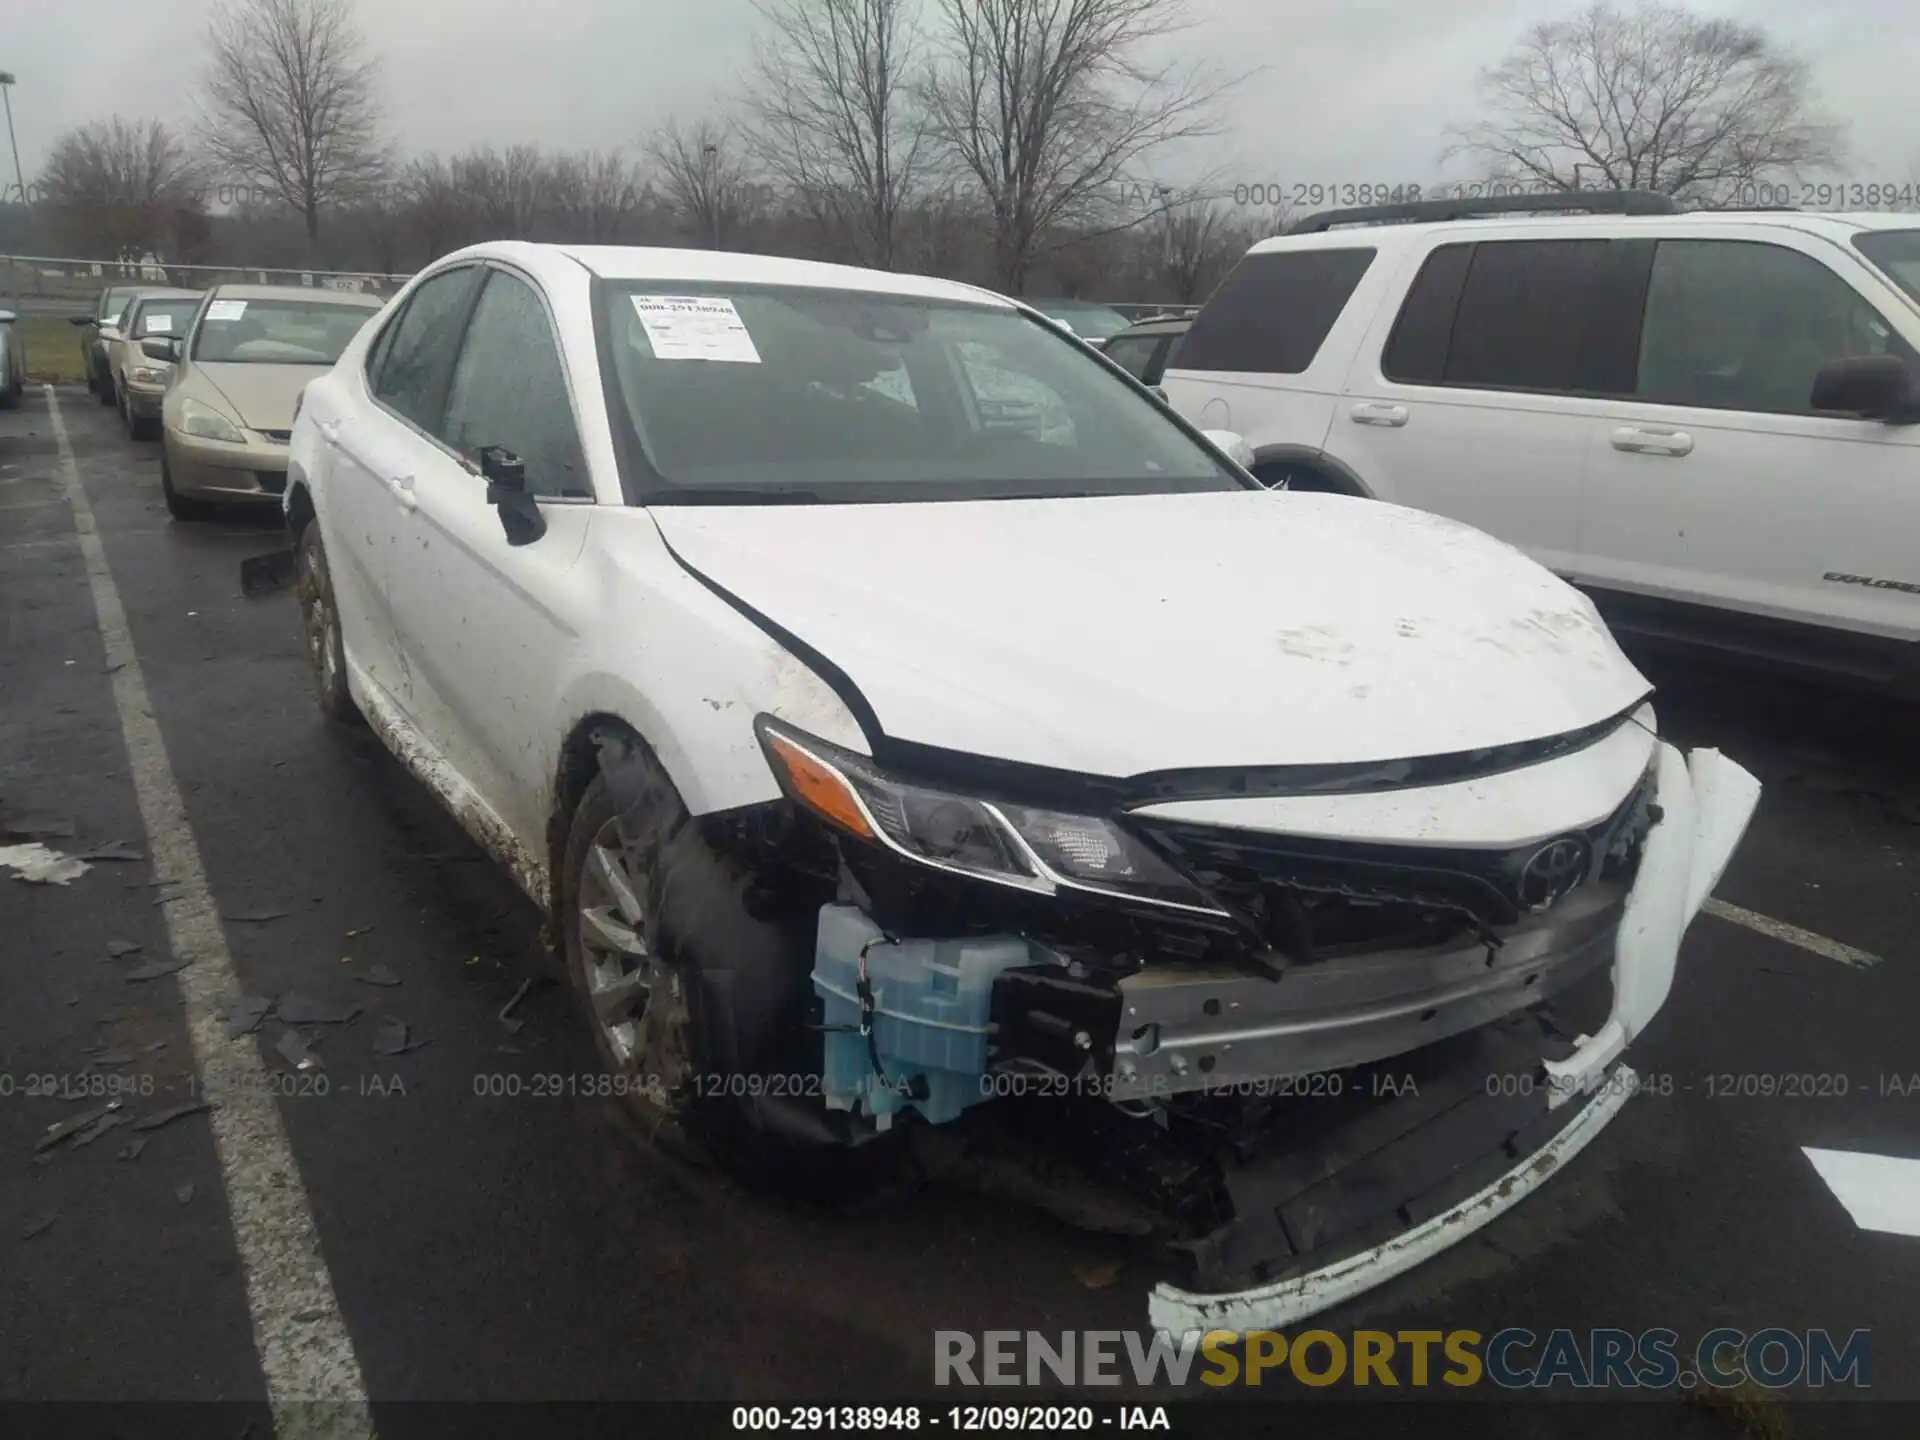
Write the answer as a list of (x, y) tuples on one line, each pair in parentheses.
[(1116, 636), (260, 396)]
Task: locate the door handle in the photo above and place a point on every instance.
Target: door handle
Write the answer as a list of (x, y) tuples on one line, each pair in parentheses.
[(1636, 441), (1368, 413), (403, 490)]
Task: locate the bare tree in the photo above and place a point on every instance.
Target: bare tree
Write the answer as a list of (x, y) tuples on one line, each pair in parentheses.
[(705, 175), (1193, 242), (1046, 106), (595, 194), (121, 185), (292, 107), (1653, 99), (834, 94)]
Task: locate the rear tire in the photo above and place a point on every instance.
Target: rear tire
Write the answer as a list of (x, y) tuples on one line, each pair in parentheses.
[(109, 392), (320, 615)]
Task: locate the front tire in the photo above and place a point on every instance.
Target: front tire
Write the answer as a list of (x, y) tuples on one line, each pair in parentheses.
[(109, 392), (320, 615), (697, 1004)]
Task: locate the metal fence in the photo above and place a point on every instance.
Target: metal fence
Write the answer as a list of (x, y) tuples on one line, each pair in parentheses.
[(57, 282)]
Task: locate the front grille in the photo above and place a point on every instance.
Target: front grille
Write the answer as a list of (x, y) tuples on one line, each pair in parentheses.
[(274, 482), (1314, 898)]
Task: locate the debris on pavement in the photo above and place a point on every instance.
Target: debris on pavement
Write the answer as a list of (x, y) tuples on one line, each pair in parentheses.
[(112, 1057), (37, 865), (131, 1150), (1097, 1277), (158, 970), (292, 1047), (260, 918), (99, 1127), (247, 1013), (39, 1226), (114, 850), (304, 1010), (73, 997), (73, 1124), (168, 1116), (183, 1192), (117, 948), (267, 574), (378, 975), (356, 934), (394, 1037), (307, 1317), (506, 1010), (37, 827), (156, 1047)]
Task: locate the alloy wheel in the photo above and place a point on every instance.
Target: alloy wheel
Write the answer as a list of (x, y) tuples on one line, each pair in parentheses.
[(638, 1002)]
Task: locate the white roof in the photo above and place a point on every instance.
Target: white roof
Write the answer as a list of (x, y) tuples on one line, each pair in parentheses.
[(647, 262), (1831, 224)]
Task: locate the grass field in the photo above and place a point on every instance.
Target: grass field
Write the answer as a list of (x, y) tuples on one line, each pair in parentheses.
[(53, 348)]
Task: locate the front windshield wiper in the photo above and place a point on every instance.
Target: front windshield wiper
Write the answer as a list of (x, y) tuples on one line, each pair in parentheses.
[(728, 495)]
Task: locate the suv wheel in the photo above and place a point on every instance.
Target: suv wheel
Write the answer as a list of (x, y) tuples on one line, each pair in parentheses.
[(313, 585), (109, 392), (696, 1002)]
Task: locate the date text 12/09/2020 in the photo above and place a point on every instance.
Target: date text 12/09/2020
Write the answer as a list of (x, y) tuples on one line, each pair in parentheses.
[(992, 1419)]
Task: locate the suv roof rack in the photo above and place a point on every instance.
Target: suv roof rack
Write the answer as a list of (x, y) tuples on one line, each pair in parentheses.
[(1590, 202)]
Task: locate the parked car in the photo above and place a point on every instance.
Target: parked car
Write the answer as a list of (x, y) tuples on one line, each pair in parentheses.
[(13, 360), (1145, 348), (228, 409), (1637, 397), (97, 330), (1093, 323), (140, 379), (874, 760)]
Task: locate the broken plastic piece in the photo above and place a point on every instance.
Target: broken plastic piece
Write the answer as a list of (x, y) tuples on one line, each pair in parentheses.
[(39, 1226), (168, 1116), (99, 1127), (39, 827), (158, 970), (260, 918), (113, 850), (292, 1048), (131, 1150), (37, 865), (506, 1010), (245, 1016), (183, 1192), (73, 1124), (391, 1038), (302, 1010), (378, 975), (117, 948)]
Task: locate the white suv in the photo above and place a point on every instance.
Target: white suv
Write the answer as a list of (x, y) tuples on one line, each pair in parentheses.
[(1706, 420), (900, 709)]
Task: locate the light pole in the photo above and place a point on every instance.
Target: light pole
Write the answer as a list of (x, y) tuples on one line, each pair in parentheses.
[(710, 152), (6, 94)]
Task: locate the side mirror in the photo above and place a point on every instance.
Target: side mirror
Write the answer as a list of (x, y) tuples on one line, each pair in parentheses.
[(158, 347), (80, 320), (1233, 445), (1161, 391), (506, 477), (1875, 387)]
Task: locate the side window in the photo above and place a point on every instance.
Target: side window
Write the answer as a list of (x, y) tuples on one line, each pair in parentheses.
[(510, 389), (1743, 325), (1272, 313), (409, 372), (1133, 353), (1523, 315), (1416, 351)]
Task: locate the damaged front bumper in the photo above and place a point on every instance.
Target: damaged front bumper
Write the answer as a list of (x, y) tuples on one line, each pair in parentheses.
[(1706, 802)]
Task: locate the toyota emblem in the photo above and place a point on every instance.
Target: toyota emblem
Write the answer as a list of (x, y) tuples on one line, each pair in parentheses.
[(1553, 870)]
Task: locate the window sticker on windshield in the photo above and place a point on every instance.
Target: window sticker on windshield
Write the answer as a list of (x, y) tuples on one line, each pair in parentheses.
[(159, 324), (226, 309), (695, 327)]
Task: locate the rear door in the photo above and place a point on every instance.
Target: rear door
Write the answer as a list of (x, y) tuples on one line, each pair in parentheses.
[(1474, 397), (1717, 496), (480, 621), (376, 444)]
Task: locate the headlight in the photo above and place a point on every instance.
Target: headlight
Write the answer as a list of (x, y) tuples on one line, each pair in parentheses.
[(147, 375), (1029, 849), (203, 422)]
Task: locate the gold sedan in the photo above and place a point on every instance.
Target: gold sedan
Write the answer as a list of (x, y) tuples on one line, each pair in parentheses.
[(228, 410)]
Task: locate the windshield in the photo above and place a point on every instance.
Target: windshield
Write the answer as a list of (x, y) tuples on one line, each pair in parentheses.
[(1896, 253), (1091, 322), (755, 393), (165, 317), (277, 332)]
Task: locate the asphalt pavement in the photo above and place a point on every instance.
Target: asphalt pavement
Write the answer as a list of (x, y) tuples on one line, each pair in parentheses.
[(492, 1233)]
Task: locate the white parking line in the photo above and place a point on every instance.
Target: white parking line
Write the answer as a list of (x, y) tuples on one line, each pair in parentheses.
[(305, 1352), (1880, 1192), (1792, 934)]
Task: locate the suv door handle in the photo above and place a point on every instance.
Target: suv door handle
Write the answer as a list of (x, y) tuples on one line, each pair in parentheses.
[(1368, 413), (403, 490), (1636, 441)]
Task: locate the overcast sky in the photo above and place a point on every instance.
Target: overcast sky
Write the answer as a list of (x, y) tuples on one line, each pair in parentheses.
[(1349, 91)]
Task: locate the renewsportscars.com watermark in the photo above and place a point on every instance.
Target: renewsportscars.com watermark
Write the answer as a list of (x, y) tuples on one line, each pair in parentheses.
[(1510, 1359)]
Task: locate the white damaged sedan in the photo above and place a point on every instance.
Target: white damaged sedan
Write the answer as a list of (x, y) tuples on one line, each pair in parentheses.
[(900, 761)]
